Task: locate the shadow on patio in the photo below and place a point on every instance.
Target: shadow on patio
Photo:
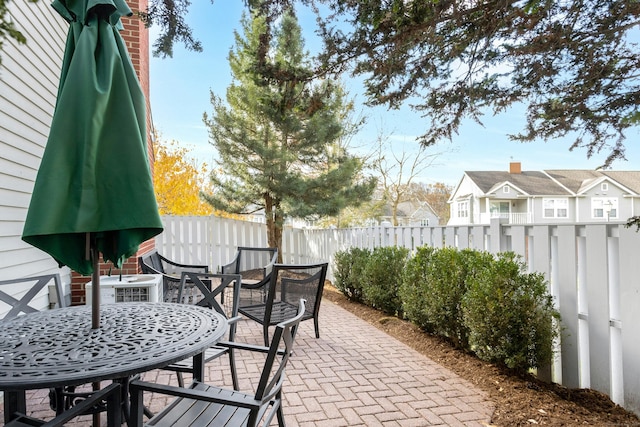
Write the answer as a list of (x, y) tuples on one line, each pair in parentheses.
[(353, 375)]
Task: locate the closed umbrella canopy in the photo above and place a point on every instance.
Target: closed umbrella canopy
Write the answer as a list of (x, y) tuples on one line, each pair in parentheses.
[(94, 182)]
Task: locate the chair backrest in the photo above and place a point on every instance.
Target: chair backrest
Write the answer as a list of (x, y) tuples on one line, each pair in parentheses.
[(150, 263), (220, 292), (252, 263), (292, 282), (292, 289), (282, 342), (23, 305)]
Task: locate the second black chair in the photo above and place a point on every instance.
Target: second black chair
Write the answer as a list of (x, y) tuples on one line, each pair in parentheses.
[(288, 284), (207, 405), (219, 292), (254, 264), (109, 397), (154, 263)]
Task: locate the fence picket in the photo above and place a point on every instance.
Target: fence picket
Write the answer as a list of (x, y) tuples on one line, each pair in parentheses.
[(592, 269)]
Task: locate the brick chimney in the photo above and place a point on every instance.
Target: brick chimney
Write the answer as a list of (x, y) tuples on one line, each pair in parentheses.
[(515, 167)]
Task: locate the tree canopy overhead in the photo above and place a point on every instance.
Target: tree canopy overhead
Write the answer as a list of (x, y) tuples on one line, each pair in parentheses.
[(572, 64)]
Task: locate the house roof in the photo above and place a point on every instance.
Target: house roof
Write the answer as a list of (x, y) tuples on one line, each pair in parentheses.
[(630, 179), (556, 182), (578, 179), (531, 182), (410, 208)]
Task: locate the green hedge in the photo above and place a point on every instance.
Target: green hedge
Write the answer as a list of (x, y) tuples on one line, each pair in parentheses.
[(382, 277), (511, 315), (482, 303), (434, 288), (414, 293), (348, 269)]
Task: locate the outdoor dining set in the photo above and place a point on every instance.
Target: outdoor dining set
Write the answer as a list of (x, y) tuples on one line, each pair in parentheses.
[(195, 323)]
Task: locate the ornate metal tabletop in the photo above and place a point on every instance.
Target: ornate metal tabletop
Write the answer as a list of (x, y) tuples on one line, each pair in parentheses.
[(58, 347)]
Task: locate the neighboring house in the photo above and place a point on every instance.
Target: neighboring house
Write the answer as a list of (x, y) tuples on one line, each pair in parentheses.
[(29, 76), (550, 196), (412, 213)]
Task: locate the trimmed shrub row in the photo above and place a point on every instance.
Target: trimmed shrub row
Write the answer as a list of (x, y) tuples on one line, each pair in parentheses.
[(482, 303)]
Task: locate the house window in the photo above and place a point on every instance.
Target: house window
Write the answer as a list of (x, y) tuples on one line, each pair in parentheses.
[(604, 207), (555, 208), (505, 189), (604, 186), (463, 209), (499, 209), (424, 222)]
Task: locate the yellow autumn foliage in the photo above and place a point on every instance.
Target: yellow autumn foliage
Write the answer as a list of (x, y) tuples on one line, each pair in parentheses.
[(178, 180)]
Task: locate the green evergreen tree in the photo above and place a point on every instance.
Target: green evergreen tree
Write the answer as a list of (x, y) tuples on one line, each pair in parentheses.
[(280, 135)]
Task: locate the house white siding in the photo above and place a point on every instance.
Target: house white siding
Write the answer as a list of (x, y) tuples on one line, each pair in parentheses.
[(613, 197), (464, 192), (558, 196), (29, 76)]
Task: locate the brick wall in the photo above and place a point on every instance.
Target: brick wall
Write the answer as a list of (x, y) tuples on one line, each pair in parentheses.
[(136, 37)]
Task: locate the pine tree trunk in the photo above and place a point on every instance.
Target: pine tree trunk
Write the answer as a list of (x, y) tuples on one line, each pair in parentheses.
[(274, 224), (277, 232)]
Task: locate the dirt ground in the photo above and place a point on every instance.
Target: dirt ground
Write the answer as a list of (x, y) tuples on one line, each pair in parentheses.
[(519, 401)]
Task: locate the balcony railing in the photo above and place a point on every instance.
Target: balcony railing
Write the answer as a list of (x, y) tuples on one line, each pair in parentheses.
[(512, 218)]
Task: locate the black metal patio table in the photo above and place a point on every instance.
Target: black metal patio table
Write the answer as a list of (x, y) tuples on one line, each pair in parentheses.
[(57, 348)]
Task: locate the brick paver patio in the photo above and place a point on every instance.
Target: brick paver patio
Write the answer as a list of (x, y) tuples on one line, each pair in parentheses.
[(353, 375)]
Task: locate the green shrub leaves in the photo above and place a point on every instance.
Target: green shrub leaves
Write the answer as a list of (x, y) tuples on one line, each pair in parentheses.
[(482, 303)]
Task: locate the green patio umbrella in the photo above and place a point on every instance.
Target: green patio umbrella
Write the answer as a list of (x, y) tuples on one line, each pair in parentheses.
[(93, 192)]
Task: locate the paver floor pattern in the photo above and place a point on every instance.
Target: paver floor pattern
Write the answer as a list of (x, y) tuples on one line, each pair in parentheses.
[(353, 375)]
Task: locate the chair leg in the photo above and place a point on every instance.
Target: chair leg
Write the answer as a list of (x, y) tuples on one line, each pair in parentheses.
[(234, 372), (265, 328), (316, 324), (115, 405), (279, 413), (57, 400), (180, 379)]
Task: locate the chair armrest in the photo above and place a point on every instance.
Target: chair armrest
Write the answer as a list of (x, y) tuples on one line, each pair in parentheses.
[(234, 320), (230, 268), (248, 347), (269, 267), (238, 399), (151, 270), (242, 346), (146, 267), (112, 390), (177, 264)]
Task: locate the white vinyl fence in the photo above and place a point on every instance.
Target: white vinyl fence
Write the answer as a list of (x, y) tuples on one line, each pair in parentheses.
[(593, 272)]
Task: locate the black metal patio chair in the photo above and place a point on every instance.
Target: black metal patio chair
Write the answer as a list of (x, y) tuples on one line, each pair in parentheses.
[(154, 263), (220, 292), (289, 283), (254, 264), (203, 404), (33, 287), (109, 397)]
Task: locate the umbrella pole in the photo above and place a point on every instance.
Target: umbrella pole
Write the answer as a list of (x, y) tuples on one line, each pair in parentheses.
[(95, 290), (95, 306)]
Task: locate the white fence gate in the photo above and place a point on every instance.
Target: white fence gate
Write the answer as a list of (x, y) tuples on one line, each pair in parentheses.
[(593, 272)]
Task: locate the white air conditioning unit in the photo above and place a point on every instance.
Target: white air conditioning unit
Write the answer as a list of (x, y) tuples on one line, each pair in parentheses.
[(129, 288)]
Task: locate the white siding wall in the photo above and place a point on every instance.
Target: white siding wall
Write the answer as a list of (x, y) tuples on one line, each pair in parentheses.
[(29, 76), (466, 187), (585, 209)]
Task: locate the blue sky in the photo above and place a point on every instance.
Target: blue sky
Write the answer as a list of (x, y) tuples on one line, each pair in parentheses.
[(180, 95)]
